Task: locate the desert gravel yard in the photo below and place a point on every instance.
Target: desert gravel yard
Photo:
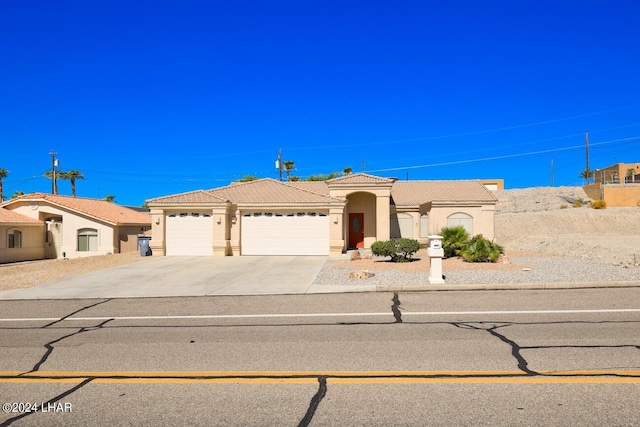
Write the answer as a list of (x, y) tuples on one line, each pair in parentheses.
[(33, 273), (523, 268)]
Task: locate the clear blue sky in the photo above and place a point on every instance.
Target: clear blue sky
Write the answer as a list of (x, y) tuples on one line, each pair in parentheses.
[(149, 98)]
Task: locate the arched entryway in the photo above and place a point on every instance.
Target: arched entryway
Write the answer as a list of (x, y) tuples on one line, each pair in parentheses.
[(361, 220)]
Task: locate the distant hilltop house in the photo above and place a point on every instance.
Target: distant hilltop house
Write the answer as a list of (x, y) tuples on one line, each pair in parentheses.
[(39, 226), (618, 185), (269, 217)]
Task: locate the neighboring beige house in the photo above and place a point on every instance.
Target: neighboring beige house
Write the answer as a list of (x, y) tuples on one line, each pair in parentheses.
[(21, 237), (618, 185), (77, 226), (269, 217)]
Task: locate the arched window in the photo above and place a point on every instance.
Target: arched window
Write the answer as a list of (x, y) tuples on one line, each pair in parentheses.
[(87, 240), (462, 219), (14, 239)]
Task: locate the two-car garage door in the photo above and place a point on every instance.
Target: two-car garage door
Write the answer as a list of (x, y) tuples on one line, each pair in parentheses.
[(189, 233), (276, 233)]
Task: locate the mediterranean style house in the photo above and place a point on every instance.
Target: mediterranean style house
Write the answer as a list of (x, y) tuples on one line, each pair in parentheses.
[(269, 217), (52, 226)]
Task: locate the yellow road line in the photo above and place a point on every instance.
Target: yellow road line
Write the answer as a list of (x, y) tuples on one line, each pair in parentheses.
[(334, 377)]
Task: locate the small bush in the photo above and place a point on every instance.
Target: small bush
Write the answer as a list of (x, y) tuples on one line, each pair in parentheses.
[(454, 239), (564, 206), (577, 204), (480, 249), (400, 250), (599, 204)]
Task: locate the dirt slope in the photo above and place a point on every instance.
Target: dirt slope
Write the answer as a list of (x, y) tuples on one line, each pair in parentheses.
[(532, 220)]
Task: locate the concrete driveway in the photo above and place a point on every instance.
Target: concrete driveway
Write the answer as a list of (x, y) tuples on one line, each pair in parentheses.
[(186, 276)]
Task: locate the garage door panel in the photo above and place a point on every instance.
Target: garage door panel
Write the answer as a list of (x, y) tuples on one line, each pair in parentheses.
[(189, 233), (276, 234)]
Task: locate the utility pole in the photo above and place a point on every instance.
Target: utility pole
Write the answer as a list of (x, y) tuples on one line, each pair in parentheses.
[(279, 163), (552, 171), (588, 172), (54, 163), (363, 166)]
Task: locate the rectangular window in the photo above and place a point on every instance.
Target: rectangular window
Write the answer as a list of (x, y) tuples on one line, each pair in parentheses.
[(88, 240), (15, 239), (424, 226)]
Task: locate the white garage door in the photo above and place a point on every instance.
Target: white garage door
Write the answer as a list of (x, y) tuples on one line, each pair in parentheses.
[(189, 233), (272, 233)]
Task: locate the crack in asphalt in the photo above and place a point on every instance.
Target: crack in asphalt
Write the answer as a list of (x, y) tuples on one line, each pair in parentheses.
[(315, 401), (47, 403), (49, 346), (523, 365), (76, 312)]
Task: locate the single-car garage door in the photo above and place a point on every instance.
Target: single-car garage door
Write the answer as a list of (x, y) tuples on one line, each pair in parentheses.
[(274, 233), (189, 233)]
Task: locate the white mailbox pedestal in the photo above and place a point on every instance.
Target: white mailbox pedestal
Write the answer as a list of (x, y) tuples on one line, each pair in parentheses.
[(436, 253)]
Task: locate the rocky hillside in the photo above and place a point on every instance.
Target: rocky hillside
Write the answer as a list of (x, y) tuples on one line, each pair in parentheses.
[(543, 220)]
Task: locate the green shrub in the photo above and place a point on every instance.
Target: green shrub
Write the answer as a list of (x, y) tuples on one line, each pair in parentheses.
[(599, 204), (577, 204), (480, 249), (454, 239), (400, 250)]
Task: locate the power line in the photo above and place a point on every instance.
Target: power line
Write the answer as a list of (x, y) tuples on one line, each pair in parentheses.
[(505, 156)]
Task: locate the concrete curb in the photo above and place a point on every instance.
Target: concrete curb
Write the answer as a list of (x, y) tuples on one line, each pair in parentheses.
[(509, 286)]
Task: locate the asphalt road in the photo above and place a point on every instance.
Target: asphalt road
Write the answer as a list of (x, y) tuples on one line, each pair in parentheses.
[(569, 357)]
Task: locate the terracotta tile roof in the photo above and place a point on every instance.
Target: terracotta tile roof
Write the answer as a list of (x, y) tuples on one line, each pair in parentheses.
[(198, 197), (10, 217), (99, 209), (415, 193), (268, 191), (359, 179)]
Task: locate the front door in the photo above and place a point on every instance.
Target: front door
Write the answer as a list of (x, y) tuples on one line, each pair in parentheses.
[(356, 230)]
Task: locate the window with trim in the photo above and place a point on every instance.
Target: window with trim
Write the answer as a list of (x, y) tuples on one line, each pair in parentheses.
[(87, 240), (424, 225), (14, 239), (462, 219), (401, 226)]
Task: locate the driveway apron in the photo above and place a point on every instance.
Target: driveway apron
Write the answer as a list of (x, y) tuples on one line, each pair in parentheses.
[(186, 276)]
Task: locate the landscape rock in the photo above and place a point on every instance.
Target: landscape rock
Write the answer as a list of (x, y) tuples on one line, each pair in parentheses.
[(362, 274)]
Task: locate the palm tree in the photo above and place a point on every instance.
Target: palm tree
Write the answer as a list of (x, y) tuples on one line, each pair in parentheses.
[(72, 175), (110, 198), (454, 240), (3, 174), (17, 194), (288, 167), (587, 174), (347, 170)]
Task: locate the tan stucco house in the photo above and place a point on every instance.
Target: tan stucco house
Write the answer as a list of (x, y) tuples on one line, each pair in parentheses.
[(618, 185), (269, 217), (73, 227), (21, 237)]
